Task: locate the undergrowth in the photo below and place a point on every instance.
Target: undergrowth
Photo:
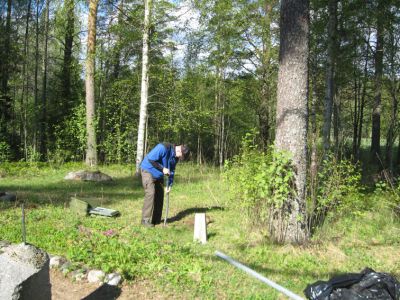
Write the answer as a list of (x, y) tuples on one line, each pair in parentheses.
[(167, 257)]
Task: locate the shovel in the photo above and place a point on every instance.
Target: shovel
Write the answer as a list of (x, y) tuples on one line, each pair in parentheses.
[(166, 205)]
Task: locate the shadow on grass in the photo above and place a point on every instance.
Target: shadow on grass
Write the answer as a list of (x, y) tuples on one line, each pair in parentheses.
[(105, 292), (267, 272), (192, 210), (60, 192)]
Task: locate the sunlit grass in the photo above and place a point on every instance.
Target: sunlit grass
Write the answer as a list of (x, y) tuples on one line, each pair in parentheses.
[(167, 256)]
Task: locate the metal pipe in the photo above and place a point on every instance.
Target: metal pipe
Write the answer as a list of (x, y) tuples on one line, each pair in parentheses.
[(253, 273)]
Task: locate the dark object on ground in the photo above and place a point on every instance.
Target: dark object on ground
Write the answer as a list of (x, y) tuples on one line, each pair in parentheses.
[(7, 197), (83, 208), (365, 285)]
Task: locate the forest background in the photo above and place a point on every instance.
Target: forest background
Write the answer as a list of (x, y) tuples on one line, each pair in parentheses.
[(212, 77)]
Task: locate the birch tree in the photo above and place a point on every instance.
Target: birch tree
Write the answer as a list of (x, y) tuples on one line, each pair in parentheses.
[(144, 85)]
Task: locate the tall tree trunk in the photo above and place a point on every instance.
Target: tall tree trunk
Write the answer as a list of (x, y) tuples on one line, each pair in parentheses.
[(292, 115), (67, 60), (336, 122), (36, 85), (264, 108), (330, 73), (356, 85), (5, 99), (144, 85), (24, 96), (394, 88), (391, 133), (376, 113), (360, 94), (314, 139), (222, 134), (43, 106), (217, 115), (91, 150)]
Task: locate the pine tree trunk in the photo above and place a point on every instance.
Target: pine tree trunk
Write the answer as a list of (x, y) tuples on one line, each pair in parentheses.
[(91, 150), (330, 86), (24, 95), (43, 107), (292, 115), (314, 140), (359, 107), (5, 99), (391, 131), (36, 85), (336, 122), (355, 114), (217, 119), (67, 60), (376, 113), (144, 86), (264, 108)]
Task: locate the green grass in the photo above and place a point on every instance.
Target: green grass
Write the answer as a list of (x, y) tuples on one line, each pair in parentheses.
[(167, 257)]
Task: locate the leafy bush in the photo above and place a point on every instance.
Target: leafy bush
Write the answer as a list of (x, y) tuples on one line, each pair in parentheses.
[(260, 181), (5, 152), (338, 190)]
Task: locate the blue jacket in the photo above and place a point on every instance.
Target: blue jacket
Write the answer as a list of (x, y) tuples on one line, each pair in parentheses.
[(161, 156)]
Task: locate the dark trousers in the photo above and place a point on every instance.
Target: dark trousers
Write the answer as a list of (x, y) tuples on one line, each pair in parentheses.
[(153, 198)]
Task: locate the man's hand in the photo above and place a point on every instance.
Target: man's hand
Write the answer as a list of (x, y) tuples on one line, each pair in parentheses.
[(167, 189), (165, 171)]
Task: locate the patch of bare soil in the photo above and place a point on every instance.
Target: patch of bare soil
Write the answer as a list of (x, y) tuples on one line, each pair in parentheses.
[(63, 288)]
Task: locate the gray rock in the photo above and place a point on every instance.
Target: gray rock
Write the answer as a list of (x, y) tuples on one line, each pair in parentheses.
[(79, 275), (96, 276), (24, 273), (87, 176), (113, 279), (56, 262), (66, 267), (4, 244)]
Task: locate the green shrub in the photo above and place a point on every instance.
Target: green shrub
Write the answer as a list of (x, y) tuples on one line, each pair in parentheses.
[(260, 181), (5, 152), (338, 190)]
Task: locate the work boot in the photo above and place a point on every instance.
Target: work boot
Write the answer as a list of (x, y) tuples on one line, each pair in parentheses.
[(147, 223)]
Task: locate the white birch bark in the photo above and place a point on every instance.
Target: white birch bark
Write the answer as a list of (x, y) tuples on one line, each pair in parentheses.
[(144, 86)]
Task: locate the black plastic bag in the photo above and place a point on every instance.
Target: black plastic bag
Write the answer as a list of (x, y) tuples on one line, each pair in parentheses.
[(365, 285)]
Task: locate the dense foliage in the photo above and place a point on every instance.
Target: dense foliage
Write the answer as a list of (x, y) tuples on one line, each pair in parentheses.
[(213, 72)]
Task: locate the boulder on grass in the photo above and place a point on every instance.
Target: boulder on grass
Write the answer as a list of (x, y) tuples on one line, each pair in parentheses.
[(83, 175), (24, 273)]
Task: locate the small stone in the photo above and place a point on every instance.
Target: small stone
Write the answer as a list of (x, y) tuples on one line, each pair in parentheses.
[(113, 279), (4, 244), (66, 267), (79, 275), (96, 276), (56, 262)]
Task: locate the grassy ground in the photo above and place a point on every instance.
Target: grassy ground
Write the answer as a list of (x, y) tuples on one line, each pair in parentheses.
[(167, 257)]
